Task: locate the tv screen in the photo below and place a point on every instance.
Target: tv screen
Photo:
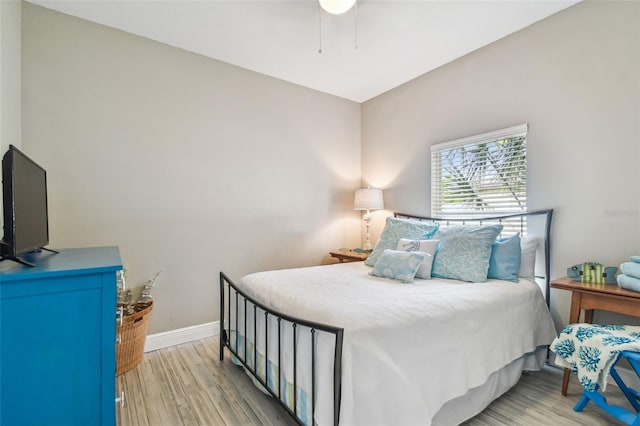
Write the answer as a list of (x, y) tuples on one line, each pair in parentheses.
[(24, 185)]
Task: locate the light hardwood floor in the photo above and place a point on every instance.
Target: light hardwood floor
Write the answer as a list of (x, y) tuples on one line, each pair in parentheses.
[(188, 385)]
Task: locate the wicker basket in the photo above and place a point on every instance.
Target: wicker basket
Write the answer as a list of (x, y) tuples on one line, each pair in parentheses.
[(133, 333)]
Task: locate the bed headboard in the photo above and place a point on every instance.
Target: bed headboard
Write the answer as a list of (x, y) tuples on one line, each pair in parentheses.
[(536, 223)]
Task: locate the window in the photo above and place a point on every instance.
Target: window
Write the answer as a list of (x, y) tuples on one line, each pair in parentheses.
[(481, 175)]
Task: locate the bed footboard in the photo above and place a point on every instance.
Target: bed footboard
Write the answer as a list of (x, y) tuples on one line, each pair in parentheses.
[(260, 364)]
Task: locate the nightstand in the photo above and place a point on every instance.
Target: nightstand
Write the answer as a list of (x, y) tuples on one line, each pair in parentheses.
[(349, 256), (590, 296)]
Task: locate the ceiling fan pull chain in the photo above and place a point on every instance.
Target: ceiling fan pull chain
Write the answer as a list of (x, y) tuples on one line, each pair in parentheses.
[(355, 26), (319, 29)]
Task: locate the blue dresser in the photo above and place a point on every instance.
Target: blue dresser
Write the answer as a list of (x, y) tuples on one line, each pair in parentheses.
[(57, 338)]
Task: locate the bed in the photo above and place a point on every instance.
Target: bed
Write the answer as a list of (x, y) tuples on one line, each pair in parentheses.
[(336, 345)]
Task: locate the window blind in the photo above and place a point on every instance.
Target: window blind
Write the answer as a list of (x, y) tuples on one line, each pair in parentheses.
[(481, 175)]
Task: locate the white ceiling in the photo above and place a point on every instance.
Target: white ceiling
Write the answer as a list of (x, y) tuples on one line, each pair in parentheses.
[(397, 40)]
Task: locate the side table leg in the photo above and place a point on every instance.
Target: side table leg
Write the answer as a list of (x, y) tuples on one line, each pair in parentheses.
[(574, 316), (565, 381), (588, 316)]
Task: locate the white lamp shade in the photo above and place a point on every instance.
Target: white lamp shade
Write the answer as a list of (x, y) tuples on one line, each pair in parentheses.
[(368, 199), (337, 7)]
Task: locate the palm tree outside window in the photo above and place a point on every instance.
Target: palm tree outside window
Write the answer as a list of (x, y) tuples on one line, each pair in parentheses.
[(480, 176)]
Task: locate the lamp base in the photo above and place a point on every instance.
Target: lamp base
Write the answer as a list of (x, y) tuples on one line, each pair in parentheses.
[(367, 221)]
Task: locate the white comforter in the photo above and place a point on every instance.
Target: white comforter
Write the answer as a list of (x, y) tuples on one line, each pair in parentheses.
[(408, 348)]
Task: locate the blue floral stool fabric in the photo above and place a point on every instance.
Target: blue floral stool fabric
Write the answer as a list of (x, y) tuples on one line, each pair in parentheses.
[(591, 351)]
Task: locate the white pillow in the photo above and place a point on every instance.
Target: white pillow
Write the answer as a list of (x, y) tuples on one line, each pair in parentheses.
[(428, 247), (528, 246)]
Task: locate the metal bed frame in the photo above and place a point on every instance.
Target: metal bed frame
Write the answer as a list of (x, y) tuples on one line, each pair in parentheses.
[(296, 324), (313, 328)]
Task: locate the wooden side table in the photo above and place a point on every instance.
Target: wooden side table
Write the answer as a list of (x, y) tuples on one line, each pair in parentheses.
[(590, 296), (349, 256)]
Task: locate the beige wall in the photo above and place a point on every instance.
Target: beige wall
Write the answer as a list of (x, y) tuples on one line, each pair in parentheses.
[(190, 165), (10, 77), (575, 78), (10, 69)]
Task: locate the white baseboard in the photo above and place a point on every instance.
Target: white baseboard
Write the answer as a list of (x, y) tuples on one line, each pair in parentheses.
[(181, 335)]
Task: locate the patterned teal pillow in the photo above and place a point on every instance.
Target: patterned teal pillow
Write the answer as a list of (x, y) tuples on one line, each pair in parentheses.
[(398, 265), (394, 229), (464, 252)]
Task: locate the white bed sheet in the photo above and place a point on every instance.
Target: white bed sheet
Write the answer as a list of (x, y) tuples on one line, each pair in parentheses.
[(408, 348)]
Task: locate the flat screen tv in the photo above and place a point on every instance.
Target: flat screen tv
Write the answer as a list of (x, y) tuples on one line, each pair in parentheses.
[(26, 224)]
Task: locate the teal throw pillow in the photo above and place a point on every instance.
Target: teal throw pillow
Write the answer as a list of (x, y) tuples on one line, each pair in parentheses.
[(396, 228), (464, 252), (398, 265), (504, 263)]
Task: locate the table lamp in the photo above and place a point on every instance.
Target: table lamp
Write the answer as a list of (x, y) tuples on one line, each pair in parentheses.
[(368, 199)]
